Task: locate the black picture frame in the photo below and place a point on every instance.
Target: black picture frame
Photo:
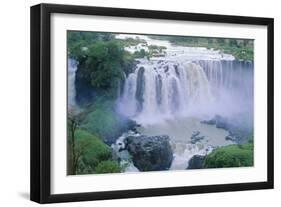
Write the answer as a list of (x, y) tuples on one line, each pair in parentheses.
[(41, 99)]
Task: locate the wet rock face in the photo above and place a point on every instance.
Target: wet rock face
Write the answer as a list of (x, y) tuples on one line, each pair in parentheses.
[(150, 153), (140, 88), (159, 89), (196, 162), (175, 96)]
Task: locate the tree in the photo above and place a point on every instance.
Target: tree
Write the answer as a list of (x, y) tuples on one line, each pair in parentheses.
[(75, 148)]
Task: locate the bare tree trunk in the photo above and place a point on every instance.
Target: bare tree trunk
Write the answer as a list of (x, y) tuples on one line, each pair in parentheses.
[(74, 165)]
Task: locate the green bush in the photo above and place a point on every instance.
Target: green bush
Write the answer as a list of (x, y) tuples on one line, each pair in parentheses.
[(102, 65), (140, 54), (230, 156), (108, 166), (78, 42), (93, 150), (102, 120)]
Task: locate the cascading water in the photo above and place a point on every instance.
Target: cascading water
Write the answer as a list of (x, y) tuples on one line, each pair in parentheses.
[(163, 89), (72, 67), (160, 89), (173, 94)]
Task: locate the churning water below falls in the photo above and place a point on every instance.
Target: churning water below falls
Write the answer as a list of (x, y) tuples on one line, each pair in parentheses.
[(171, 95)]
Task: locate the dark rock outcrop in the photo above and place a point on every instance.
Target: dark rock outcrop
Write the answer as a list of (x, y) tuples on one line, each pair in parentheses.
[(221, 122), (230, 137), (177, 70), (140, 87), (159, 89), (210, 122), (85, 93), (175, 95), (150, 153), (218, 120), (196, 162), (195, 137), (238, 132)]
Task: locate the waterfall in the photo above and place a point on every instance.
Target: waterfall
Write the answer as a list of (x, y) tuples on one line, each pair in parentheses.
[(188, 81), (165, 89), (229, 73), (169, 88), (72, 67), (231, 83)]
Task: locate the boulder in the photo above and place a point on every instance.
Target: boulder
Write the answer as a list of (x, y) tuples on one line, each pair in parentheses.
[(196, 162), (230, 137), (150, 153)]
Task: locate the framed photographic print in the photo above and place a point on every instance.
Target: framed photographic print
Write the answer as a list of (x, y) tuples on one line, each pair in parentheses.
[(132, 103)]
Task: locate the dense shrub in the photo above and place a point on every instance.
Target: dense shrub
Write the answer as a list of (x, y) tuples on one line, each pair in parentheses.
[(102, 61), (230, 156), (92, 149), (108, 166), (77, 42)]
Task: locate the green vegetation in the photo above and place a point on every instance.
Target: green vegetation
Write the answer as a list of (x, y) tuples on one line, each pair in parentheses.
[(141, 53), (102, 60), (102, 67), (78, 42), (95, 150), (86, 151), (102, 120), (108, 166), (156, 51), (153, 51), (127, 42), (241, 49), (230, 156)]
